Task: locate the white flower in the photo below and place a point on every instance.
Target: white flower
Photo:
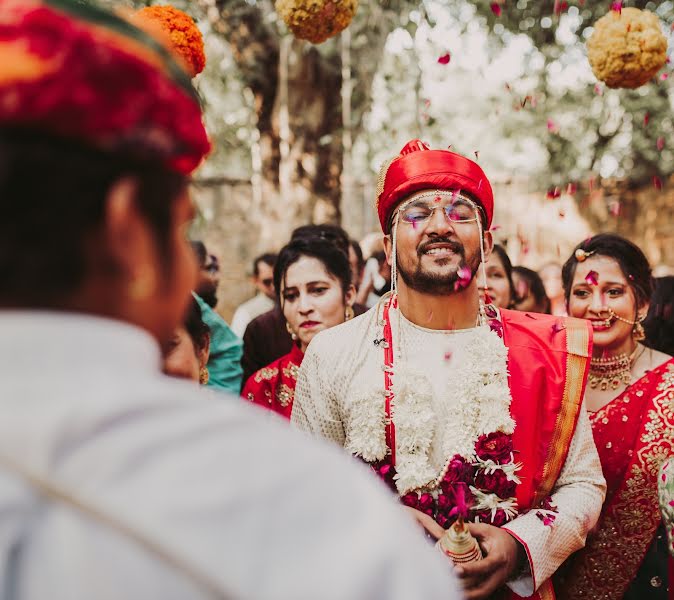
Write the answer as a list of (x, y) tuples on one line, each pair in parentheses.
[(366, 427)]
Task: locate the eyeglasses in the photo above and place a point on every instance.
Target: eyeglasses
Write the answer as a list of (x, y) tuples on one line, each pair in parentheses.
[(457, 208)]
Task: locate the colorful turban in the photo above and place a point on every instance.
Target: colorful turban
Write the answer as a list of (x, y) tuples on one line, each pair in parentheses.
[(417, 168), (75, 71)]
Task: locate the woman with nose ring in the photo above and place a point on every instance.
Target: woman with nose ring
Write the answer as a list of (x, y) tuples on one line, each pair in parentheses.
[(630, 397), (312, 279)]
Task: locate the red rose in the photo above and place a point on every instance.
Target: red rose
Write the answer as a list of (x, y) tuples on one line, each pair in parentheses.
[(496, 446), (496, 483), (458, 471), (500, 517), (427, 504), (411, 499), (444, 502)]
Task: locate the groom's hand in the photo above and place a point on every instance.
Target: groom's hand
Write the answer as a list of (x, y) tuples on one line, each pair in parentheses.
[(502, 554)]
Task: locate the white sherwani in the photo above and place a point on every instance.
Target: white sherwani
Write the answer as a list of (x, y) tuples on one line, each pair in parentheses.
[(118, 482), (340, 396)]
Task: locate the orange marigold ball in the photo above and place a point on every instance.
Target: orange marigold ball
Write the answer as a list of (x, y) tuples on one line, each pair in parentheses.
[(184, 36), (316, 20), (627, 48)]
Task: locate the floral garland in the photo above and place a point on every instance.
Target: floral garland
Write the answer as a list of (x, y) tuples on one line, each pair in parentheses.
[(479, 481)]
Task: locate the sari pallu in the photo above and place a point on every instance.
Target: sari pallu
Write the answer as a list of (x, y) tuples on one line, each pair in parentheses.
[(638, 425)]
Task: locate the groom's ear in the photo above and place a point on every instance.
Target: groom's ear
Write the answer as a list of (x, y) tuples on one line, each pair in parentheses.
[(488, 241)]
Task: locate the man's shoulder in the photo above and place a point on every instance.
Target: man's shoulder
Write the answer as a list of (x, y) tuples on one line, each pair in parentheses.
[(536, 329)]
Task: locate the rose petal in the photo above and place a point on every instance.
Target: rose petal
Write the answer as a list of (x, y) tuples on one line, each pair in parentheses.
[(660, 143), (617, 7), (664, 76), (571, 188), (552, 126), (553, 193), (592, 278), (598, 89), (657, 183), (647, 118), (444, 59), (495, 8)]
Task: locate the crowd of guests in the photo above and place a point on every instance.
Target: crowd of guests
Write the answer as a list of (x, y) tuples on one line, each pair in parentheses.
[(320, 279)]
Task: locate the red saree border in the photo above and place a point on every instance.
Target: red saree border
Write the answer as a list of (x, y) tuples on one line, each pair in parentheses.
[(612, 557)]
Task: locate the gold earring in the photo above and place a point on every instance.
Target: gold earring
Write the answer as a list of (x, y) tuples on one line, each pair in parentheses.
[(348, 313), (203, 376), (293, 335), (638, 332)]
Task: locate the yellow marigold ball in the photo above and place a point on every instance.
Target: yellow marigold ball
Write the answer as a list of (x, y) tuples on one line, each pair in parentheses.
[(316, 20), (180, 31), (627, 48)]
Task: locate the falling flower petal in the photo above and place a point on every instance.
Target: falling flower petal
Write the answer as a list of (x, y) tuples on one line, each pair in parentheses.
[(571, 188), (558, 326), (614, 209), (495, 227), (647, 118), (657, 183), (598, 89), (592, 278), (617, 7), (554, 193), (660, 143), (664, 76), (464, 277), (496, 8), (552, 126), (444, 59), (448, 356), (560, 7)]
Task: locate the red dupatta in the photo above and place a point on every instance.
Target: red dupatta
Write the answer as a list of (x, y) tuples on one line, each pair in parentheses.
[(548, 362), (273, 386), (641, 437)]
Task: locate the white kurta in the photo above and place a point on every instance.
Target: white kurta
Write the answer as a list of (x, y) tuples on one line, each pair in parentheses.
[(169, 490), (340, 394)]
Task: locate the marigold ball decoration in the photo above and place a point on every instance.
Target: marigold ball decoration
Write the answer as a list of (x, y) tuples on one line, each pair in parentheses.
[(179, 30), (316, 20), (627, 48)]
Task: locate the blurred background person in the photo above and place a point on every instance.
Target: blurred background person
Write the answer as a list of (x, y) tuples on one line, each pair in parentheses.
[(530, 291), (499, 272), (226, 348), (186, 353), (313, 279), (266, 338), (356, 263), (607, 280), (551, 275), (263, 301), (209, 274), (659, 322)]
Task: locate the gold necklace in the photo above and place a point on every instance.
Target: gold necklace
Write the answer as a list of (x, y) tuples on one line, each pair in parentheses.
[(611, 371)]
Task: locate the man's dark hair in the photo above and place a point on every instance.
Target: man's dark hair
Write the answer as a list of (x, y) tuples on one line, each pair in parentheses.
[(334, 260), (632, 261), (52, 200), (659, 323), (332, 233), (267, 258), (199, 249)]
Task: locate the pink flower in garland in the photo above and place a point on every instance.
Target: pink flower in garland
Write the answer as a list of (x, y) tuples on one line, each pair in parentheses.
[(458, 471)]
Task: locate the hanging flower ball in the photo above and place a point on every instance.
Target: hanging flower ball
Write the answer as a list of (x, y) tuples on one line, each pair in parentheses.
[(627, 48), (180, 32), (316, 20)]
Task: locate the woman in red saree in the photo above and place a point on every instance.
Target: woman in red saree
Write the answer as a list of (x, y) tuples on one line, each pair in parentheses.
[(630, 398), (312, 278)]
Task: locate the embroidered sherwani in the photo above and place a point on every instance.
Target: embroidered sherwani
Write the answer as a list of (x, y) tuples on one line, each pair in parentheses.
[(340, 395), (166, 492)]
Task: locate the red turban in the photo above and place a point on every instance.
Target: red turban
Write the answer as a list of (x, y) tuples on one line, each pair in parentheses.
[(417, 168), (75, 71)]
